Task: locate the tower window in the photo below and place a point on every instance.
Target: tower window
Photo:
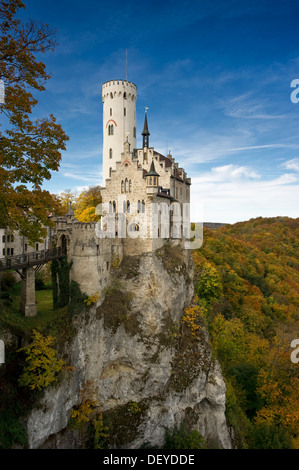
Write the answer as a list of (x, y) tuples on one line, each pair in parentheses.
[(134, 132), (110, 153), (125, 111), (125, 95), (111, 95), (110, 171), (110, 111), (110, 129), (130, 186), (122, 186), (126, 185)]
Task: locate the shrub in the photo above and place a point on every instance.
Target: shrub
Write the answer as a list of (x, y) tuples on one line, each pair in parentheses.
[(180, 438), (42, 364)]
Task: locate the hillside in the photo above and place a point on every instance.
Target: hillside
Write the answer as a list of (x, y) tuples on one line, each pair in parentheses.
[(248, 292)]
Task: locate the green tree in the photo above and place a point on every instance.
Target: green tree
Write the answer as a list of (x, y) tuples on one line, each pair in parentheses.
[(42, 364), (29, 149)]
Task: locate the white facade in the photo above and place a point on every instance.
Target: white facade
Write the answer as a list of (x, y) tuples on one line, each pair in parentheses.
[(119, 122)]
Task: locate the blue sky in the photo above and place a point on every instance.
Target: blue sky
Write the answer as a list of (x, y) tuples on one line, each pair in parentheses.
[(216, 77)]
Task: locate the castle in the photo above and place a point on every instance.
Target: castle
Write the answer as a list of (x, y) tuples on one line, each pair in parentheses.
[(145, 198)]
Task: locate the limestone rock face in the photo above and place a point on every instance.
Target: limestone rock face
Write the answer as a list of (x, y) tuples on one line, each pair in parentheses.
[(130, 349)]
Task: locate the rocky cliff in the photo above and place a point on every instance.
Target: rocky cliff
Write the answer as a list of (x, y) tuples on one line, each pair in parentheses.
[(131, 349)]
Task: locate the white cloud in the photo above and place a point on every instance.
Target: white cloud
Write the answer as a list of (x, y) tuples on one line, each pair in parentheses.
[(231, 194), (292, 164), (226, 173)]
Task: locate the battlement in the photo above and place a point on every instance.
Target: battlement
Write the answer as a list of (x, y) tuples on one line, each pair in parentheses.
[(119, 88), (85, 226)]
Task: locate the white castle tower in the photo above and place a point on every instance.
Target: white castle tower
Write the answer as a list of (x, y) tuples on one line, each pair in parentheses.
[(119, 122)]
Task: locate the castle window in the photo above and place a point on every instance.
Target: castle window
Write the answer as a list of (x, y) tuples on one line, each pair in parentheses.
[(124, 207), (125, 95), (138, 206), (114, 207), (130, 186), (11, 251), (110, 129), (110, 153), (134, 132), (110, 171), (125, 111), (126, 185), (111, 95), (3, 238), (154, 181), (128, 207), (143, 206), (151, 181), (3, 252), (36, 246), (110, 111), (122, 186)]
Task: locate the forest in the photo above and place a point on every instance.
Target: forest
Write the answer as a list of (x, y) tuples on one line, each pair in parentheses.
[(247, 294)]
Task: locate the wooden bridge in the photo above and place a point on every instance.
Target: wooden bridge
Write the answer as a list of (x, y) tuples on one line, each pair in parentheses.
[(36, 258), (26, 265)]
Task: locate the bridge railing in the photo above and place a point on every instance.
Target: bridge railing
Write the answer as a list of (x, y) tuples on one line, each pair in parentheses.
[(31, 259)]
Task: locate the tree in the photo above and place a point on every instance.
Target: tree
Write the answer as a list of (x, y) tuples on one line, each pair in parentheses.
[(42, 364), (86, 204), (29, 149)]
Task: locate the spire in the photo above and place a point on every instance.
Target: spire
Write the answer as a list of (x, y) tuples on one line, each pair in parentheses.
[(70, 211), (152, 171), (145, 131)]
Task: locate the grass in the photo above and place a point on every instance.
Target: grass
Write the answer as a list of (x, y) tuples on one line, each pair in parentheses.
[(13, 318)]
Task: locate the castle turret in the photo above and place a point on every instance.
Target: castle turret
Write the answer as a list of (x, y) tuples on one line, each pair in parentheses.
[(119, 121), (152, 180)]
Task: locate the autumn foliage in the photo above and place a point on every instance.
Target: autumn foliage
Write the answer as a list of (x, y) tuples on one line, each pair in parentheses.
[(30, 149), (248, 280)]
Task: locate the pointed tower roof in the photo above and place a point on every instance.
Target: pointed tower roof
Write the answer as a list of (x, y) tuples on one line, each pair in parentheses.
[(70, 211), (152, 171), (145, 127)]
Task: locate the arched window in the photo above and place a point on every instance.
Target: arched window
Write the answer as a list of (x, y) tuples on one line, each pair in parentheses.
[(128, 207), (114, 207), (110, 153), (130, 186), (138, 206), (122, 186), (126, 185), (110, 207), (125, 95), (111, 95), (111, 129)]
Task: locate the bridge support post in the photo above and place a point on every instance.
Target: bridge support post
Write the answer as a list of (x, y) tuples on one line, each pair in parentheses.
[(28, 305)]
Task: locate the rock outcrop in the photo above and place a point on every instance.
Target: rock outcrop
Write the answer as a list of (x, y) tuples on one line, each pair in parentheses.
[(131, 348)]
